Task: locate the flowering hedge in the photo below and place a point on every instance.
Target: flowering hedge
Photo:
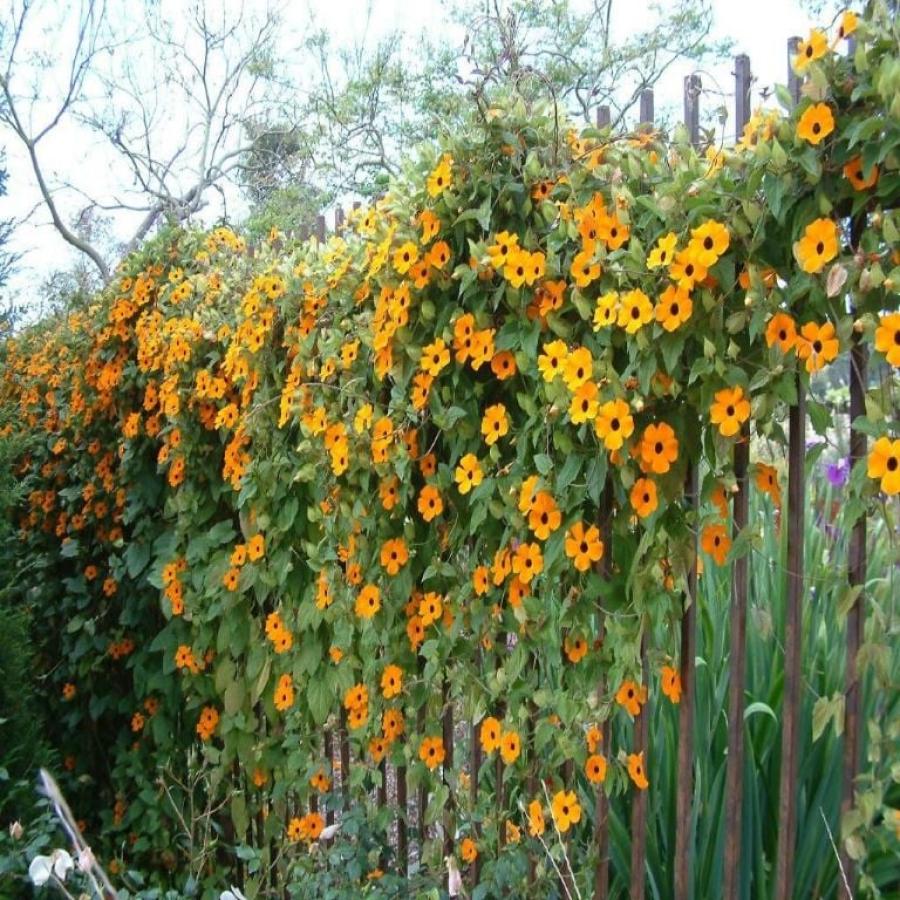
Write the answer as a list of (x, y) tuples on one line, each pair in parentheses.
[(448, 446)]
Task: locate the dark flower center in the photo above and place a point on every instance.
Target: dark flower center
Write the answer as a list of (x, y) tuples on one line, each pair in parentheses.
[(658, 447), (730, 411), (820, 248), (892, 464)]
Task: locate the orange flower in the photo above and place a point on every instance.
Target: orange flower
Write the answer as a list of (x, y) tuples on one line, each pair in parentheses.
[(394, 555), (490, 734), (671, 683), (729, 410), (510, 747), (644, 497), (284, 693), (818, 246), (391, 681), (631, 697), (231, 578), (435, 357), (495, 424), (782, 330), (575, 648), (659, 447), (480, 580), (430, 504), (715, 541), (256, 548), (544, 516), (583, 407), (431, 752), (767, 482), (468, 851), (583, 269), (636, 770), (439, 255), (887, 338), (368, 602), (583, 546), (527, 562), (566, 810), (673, 308), (431, 607), (535, 818), (595, 768), (853, 172), (503, 365), (818, 345)]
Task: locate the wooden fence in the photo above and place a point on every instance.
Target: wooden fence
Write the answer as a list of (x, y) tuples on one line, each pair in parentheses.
[(411, 810)]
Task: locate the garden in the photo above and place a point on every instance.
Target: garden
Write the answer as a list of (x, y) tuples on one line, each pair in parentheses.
[(532, 532)]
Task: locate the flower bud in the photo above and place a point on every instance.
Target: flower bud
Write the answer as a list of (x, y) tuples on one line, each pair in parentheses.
[(16, 830)]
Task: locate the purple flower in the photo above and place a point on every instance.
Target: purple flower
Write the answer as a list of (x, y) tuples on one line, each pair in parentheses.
[(837, 473)]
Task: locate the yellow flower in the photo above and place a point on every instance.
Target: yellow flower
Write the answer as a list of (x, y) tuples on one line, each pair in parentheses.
[(849, 21), (729, 410), (368, 602), (553, 360), (818, 246), (435, 357), (405, 256), (579, 367), (468, 473), (566, 810), (510, 747), (884, 464), (813, 48), (887, 338), (441, 177), (535, 818), (635, 311), (606, 311), (673, 308), (818, 345), (495, 424), (664, 251), (816, 123), (614, 424)]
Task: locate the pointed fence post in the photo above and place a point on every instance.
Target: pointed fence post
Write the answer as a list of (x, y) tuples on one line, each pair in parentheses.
[(734, 774), (639, 803), (692, 88), (787, 794), (859, 359), (743, 78), (646, 107), (601, 810), (320, 228), (447, 737), (684, 831)]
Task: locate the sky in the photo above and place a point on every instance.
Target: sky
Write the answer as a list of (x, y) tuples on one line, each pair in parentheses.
[(759, 28)]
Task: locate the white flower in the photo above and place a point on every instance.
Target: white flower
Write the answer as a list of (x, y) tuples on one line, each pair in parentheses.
[(59, 863), (233, 894), (62, 864), (39, 870), (16, 830)]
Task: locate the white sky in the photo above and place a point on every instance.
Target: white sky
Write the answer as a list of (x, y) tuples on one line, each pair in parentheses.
[(759, 28)]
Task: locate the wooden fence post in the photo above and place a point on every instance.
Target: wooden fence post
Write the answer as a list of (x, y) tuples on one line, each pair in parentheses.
[(329, 755), (692, 88), (859, 358), (447, 736), (603, 117), (601, 811), (743, 78), (402, 812), (787, 800), (684, 831), (734, 774), (475, 766), (338, 220), (344, 742), (646, 107), (787, 794), (639, 803)]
